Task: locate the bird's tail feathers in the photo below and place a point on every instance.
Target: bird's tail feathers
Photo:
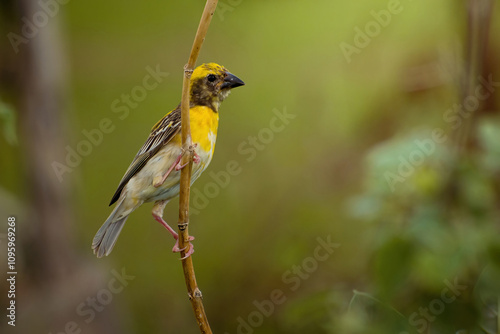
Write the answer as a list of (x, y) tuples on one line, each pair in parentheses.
[(106, 237)]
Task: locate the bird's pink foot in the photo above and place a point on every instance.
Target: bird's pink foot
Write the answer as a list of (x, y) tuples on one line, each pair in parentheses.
[(178, 167), (196, 160), (176, 248), (196, 157), (189, 252)]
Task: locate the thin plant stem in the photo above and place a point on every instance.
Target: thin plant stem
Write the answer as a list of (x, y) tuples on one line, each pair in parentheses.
[(194, 292)]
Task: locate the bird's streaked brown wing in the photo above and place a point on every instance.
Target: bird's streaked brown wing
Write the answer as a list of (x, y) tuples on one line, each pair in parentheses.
[(161, 134)]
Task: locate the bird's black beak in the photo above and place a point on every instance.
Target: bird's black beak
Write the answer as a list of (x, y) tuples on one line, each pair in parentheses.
[(231, 81)]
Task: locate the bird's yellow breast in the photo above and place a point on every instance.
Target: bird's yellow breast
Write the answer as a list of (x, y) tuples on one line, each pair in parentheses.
[(204, 123)]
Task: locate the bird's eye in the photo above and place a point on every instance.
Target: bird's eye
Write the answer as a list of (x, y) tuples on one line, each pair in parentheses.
[(211, 78)]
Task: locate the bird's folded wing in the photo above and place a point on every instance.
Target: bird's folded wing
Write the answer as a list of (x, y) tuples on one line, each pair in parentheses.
[(161, 134)]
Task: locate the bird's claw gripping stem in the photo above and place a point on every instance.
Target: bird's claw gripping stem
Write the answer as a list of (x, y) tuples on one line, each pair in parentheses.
[(196, 158), (177, 249), (178, 166)]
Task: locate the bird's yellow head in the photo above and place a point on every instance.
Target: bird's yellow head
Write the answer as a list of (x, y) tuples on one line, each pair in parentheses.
[(211, 84)]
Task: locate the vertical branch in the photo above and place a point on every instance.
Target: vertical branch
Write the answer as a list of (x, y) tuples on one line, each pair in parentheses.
[(194, 292)]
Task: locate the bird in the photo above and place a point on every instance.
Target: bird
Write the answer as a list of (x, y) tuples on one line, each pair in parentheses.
[(154, 174)]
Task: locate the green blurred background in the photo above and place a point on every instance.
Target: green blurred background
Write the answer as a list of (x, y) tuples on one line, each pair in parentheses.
[(328, 173)]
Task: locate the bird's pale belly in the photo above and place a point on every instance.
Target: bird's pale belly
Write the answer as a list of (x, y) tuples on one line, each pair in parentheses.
[(141, 185)]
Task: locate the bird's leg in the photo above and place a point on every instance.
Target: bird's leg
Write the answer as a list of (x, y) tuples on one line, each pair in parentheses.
[(157, 183), (158, 208), (177, 165)]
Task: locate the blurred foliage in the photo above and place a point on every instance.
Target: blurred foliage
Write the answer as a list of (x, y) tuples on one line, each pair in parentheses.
[(401, 242), (444, 228)]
